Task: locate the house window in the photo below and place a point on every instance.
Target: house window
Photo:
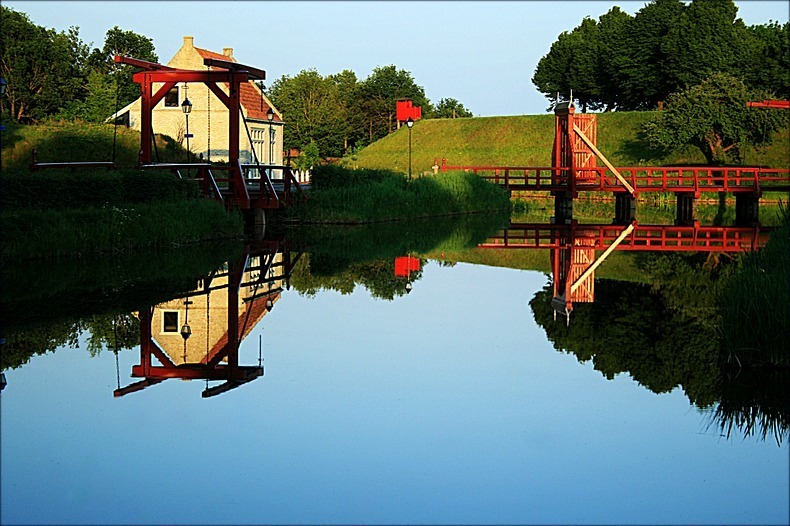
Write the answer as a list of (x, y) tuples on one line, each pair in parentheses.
[(171, 99), (170, 321)]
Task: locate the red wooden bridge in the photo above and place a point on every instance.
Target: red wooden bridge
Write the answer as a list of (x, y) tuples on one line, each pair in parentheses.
[(574, 169), (573, 248)]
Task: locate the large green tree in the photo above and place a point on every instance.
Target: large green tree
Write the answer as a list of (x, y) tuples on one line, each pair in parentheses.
[(714, 117), (312, 108), (44, 69)]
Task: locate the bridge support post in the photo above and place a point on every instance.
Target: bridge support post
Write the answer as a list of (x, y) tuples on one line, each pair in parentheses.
[(563, 207), (624, 209), (747, 209), (255, 222), (686, 210)]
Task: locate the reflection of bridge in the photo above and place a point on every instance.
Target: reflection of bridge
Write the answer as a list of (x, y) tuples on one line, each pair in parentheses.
[(573, 248), (574, 169), (206, 345)]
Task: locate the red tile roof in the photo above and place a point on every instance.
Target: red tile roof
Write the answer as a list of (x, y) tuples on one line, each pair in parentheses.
[(250, 94)]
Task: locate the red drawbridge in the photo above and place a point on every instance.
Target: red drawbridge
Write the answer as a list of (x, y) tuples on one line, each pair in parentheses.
[(574, 169), (232, 187)]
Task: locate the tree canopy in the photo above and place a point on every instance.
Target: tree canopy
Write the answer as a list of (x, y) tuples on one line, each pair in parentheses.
[(633, 63), (714, 117)]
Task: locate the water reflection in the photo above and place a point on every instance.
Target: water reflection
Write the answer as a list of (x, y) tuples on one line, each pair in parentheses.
[(197, 336), (573, 248)]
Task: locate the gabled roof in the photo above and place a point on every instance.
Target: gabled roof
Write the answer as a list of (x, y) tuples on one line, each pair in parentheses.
[(251, 97)]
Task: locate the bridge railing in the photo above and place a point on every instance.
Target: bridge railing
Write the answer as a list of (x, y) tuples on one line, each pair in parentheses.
[(692, 238), (645, 179)]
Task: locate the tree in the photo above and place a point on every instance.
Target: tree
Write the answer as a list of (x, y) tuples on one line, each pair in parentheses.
[(379, 92), (612, 27), (44, 69), (705, 39), (351, 109), (125, 43), (713, 116), (311, 105), (450, 109), (768, 64)]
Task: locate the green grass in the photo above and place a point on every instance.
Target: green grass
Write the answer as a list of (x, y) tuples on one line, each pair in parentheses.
[(527, 140), (391, 196), (75, 142)]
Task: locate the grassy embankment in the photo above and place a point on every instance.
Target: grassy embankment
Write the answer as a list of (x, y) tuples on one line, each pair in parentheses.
[(60, 212)]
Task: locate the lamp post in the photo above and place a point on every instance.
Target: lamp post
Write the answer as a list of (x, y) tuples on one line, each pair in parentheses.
[(270, 117), (410, 123), (186, 107)]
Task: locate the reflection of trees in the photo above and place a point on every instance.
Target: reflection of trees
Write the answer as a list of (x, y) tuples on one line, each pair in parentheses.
[(665, 335), (630, 328), (113, 332), (315, 273)]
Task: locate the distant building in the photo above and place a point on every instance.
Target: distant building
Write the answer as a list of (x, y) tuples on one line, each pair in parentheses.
[(168, 119)]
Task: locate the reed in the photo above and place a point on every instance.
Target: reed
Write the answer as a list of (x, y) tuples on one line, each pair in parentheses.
[(755, 304), (393, 197)]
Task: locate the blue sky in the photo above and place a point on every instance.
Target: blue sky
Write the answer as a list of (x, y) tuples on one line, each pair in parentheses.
[(481, 53)]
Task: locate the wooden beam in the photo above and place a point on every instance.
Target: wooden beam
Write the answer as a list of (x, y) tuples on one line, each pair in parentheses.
[(601, 259), (235, 66), (603, 158)]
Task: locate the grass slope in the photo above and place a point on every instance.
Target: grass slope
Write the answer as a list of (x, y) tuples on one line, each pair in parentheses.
[(527, 140)]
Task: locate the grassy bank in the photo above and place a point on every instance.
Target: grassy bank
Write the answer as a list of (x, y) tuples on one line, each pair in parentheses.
[(341, 195), (527, 140), (61, 213)]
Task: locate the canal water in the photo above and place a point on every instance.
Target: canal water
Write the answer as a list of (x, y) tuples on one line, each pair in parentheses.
[(461, 401)]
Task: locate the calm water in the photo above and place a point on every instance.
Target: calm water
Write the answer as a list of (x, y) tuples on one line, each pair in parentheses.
[(445, 405)]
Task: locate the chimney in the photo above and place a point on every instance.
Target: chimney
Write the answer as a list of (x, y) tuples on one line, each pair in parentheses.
[(189, 41), (228, 52)]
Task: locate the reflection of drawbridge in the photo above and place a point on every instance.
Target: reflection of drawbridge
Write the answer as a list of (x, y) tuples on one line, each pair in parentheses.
[(573, 248), (224, 308)]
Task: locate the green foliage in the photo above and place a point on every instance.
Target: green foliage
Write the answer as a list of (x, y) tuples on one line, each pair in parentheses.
[(713, 116), (450, 109), (335, 176), (308, 157), (312, 106), (124, 43), (44, 69), (633, 63), (99, 104), (390, 196)]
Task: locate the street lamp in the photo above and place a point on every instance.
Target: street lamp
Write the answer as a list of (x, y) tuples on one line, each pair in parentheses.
[(186, 107), (410, 123), (270, 117)]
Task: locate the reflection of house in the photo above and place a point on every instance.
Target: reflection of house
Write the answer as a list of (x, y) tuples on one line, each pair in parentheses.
[(209, 112), (207, 314)]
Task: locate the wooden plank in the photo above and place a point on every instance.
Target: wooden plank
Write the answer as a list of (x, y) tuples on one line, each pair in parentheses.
[(603, 158)]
